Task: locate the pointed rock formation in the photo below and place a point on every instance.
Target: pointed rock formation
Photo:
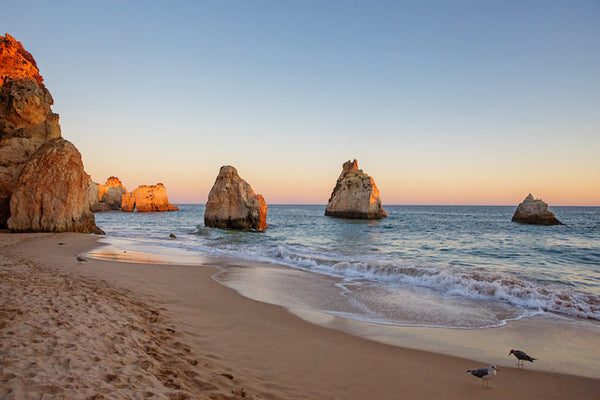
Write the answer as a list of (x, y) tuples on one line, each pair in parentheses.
[(26, 120), (51, 194), (147, 199), (534, 211), (355, 195), (233, 204)]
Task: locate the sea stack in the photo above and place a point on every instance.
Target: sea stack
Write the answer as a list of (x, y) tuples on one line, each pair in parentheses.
[(26, 120), (51, 194), (111, 193), (534, 211), (355, 195), (108, 196), (233, 204), (43, 185), (147, 199)]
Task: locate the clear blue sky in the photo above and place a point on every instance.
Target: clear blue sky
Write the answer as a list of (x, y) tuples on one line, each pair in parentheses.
[(442, 102)]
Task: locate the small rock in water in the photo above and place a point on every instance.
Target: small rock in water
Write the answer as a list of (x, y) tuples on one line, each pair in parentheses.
[(534, 211), (172, 236)]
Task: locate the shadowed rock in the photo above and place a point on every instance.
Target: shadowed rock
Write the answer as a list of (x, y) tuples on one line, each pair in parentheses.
[(534, 211), (93, 196), (355, 195), (51, 194), (233, 204)]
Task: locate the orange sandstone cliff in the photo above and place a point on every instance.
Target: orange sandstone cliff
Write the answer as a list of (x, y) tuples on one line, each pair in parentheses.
[(51, 192), (147, 199), (39, 190), (106, 197), (26, 120)]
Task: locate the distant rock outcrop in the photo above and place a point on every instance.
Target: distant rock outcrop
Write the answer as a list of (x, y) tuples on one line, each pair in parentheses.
[(147, 199), (534, 211), (111, 193), (355, 195), (26, 120), (93, 195), (233, 204), (51, 194)]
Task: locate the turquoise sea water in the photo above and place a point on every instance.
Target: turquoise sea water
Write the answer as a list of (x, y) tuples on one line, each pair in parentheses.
[(444, 266)]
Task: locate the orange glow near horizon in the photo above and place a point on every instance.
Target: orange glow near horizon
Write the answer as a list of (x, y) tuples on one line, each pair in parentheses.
[(441, 183), (411, 193)]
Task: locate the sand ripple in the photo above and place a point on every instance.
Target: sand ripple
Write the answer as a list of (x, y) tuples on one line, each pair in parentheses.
[(65, 337)]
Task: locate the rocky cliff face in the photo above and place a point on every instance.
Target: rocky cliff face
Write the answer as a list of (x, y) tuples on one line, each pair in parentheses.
[(93, 195), (26, 120), (534, 211), (106, 197), (147, 199), (111, 193), (355, 195), (51, 194), (233, 204)]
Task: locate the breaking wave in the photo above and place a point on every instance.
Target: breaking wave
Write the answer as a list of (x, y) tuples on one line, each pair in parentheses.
[(446, 280)]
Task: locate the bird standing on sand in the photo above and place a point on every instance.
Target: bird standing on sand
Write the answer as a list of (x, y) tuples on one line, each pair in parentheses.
[(80, 259), (485, 374), (521, 355)]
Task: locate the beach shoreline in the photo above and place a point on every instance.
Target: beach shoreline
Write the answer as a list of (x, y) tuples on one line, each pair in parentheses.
[(267, 351)]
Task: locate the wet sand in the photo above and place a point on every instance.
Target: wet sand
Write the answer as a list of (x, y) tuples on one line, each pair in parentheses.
[(105, 329)]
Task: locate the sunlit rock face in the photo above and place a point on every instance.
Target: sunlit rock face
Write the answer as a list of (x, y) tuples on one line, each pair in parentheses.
[(233, 204), (534, 211), (26, 120), (147, 199), (51, 194), (355, 195), (111, 193)]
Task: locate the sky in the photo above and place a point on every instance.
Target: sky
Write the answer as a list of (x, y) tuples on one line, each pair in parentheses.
[(441, 102)]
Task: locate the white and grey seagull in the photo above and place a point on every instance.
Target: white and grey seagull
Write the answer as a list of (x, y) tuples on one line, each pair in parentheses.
[(485, 374)]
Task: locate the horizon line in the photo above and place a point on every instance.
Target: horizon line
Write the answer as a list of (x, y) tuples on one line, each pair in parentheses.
[(408, 205)]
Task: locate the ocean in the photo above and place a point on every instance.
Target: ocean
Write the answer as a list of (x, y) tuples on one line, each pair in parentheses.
[(458, 267)]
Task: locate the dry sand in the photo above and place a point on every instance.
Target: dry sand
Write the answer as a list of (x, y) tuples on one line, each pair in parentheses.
[(102, 329)]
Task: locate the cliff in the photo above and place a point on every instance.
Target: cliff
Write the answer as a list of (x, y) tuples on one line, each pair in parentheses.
[(51, 194), (147, 199), (111, 193), (233, 204), (355, 195), (26, 120)]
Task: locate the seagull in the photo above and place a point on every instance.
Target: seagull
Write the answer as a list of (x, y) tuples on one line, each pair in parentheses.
[(521, 355), (485, 374), (80, 259)]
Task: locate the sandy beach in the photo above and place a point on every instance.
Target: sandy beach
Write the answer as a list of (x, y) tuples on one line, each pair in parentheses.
[(112, 330)]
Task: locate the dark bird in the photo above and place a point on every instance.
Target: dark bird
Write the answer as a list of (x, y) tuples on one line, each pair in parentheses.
[(80, 259), (485, 374), (521, 355)]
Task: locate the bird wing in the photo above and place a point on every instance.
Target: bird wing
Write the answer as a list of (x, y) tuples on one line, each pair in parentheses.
[(521, 355), (479, 372)]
